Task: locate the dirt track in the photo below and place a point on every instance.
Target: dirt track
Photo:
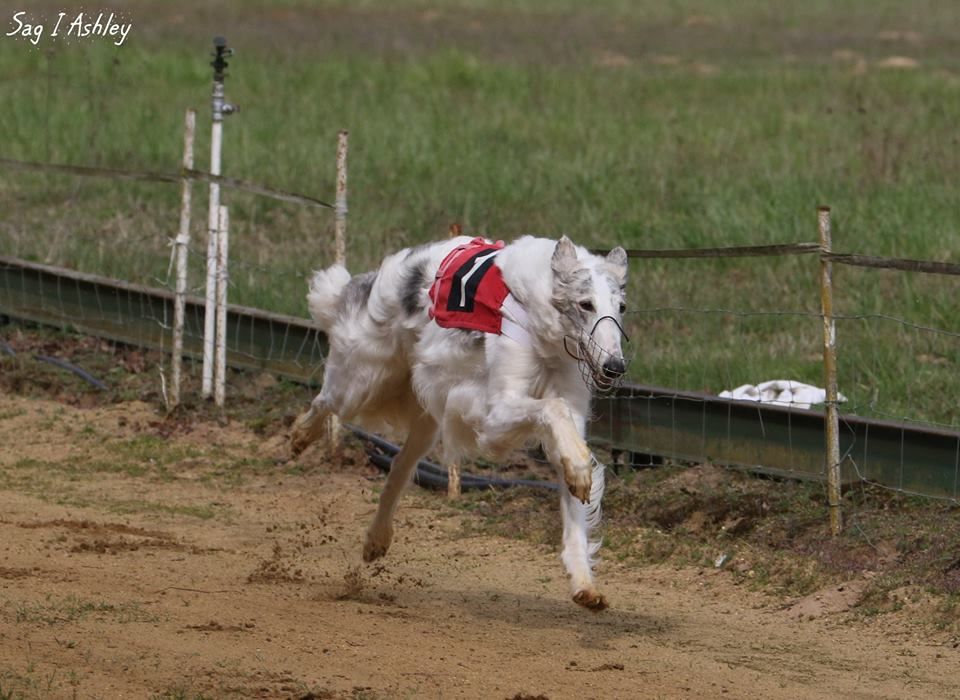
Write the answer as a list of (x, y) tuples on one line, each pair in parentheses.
[(191, 566)]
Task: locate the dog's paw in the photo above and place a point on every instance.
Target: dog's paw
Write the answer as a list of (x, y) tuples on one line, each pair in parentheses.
[(579, 481), (590, 599), (376, 545), (372, 552), (299, 441)]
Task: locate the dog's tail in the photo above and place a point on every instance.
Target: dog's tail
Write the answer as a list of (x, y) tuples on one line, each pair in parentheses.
[(326, 286)]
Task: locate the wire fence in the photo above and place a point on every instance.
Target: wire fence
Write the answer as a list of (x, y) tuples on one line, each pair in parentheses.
[(681, 423), (896, 360)]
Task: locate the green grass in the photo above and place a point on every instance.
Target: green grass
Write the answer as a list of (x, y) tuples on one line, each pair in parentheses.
[(642, 124)]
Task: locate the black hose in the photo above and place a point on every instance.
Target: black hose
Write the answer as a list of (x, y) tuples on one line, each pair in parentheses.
[(433, 476), (79, 371), (430, 476)]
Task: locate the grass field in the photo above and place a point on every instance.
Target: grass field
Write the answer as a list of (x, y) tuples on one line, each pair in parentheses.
[(644, 124)]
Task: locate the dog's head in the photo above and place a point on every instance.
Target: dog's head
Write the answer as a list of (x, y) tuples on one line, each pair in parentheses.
[(589, 294)]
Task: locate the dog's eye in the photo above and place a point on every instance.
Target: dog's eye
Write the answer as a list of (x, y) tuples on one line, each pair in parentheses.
[(587, 306)]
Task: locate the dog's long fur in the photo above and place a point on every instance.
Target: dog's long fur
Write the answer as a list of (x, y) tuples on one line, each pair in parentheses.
[(391, 365)]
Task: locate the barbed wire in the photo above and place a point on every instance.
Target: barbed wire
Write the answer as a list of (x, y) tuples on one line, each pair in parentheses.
[(747, 251), (902, 264), (722, 311), (175, 178), (787, 249)]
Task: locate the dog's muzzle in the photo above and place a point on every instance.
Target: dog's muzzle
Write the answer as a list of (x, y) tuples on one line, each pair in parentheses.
[(601, 370)]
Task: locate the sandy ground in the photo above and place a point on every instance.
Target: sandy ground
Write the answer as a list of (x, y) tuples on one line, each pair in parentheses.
[(209, 571)]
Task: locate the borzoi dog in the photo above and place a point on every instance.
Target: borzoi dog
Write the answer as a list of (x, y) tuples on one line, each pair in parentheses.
[(488, 348)]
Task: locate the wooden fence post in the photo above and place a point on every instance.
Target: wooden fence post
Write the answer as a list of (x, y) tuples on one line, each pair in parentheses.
[(831, 415), (454, 488), (339, 250), (340, 204)]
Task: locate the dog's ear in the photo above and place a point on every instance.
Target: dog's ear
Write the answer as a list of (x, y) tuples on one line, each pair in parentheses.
[(564, 260), (616, 262)]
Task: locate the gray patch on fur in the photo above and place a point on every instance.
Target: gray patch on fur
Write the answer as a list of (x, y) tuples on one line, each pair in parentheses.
[(411, 286), (357, 291), (568, 292), (473, 340), (416, 250)]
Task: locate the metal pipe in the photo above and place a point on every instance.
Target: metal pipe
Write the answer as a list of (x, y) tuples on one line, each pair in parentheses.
[(182, 244), (223, 239), (209, 326), (219, 109)]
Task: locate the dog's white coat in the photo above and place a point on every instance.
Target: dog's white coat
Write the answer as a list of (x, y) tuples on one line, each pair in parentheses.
[(390, 365)]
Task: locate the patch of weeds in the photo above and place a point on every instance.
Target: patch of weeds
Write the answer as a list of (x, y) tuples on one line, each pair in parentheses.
[(949, 612), (73, 608), (153, 450), (517, 513), (9, 693), (7, 415), (30, 684), (236, 472), (30, 463), (130, 469), (223, 476)]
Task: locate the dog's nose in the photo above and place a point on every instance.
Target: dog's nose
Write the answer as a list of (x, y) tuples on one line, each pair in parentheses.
[(614, 367)]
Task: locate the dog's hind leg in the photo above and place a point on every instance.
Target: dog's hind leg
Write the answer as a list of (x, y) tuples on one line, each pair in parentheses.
[(310, 426), (423, 434)]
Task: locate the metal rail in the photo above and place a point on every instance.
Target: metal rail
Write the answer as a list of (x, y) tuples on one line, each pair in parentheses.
[(679, 425), (138, 315)]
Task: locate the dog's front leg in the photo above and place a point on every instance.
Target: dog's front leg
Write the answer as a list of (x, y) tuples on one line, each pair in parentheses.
[(566, 448), (515, 416)]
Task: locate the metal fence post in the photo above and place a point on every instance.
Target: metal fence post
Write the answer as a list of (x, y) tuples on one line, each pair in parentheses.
[(223, 239), (220, 108), (831, 416), (182, 243)]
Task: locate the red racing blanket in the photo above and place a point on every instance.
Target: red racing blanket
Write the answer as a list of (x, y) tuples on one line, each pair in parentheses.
[(469, 289)]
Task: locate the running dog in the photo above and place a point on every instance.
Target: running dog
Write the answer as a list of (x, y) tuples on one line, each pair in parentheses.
[(485, 346)]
